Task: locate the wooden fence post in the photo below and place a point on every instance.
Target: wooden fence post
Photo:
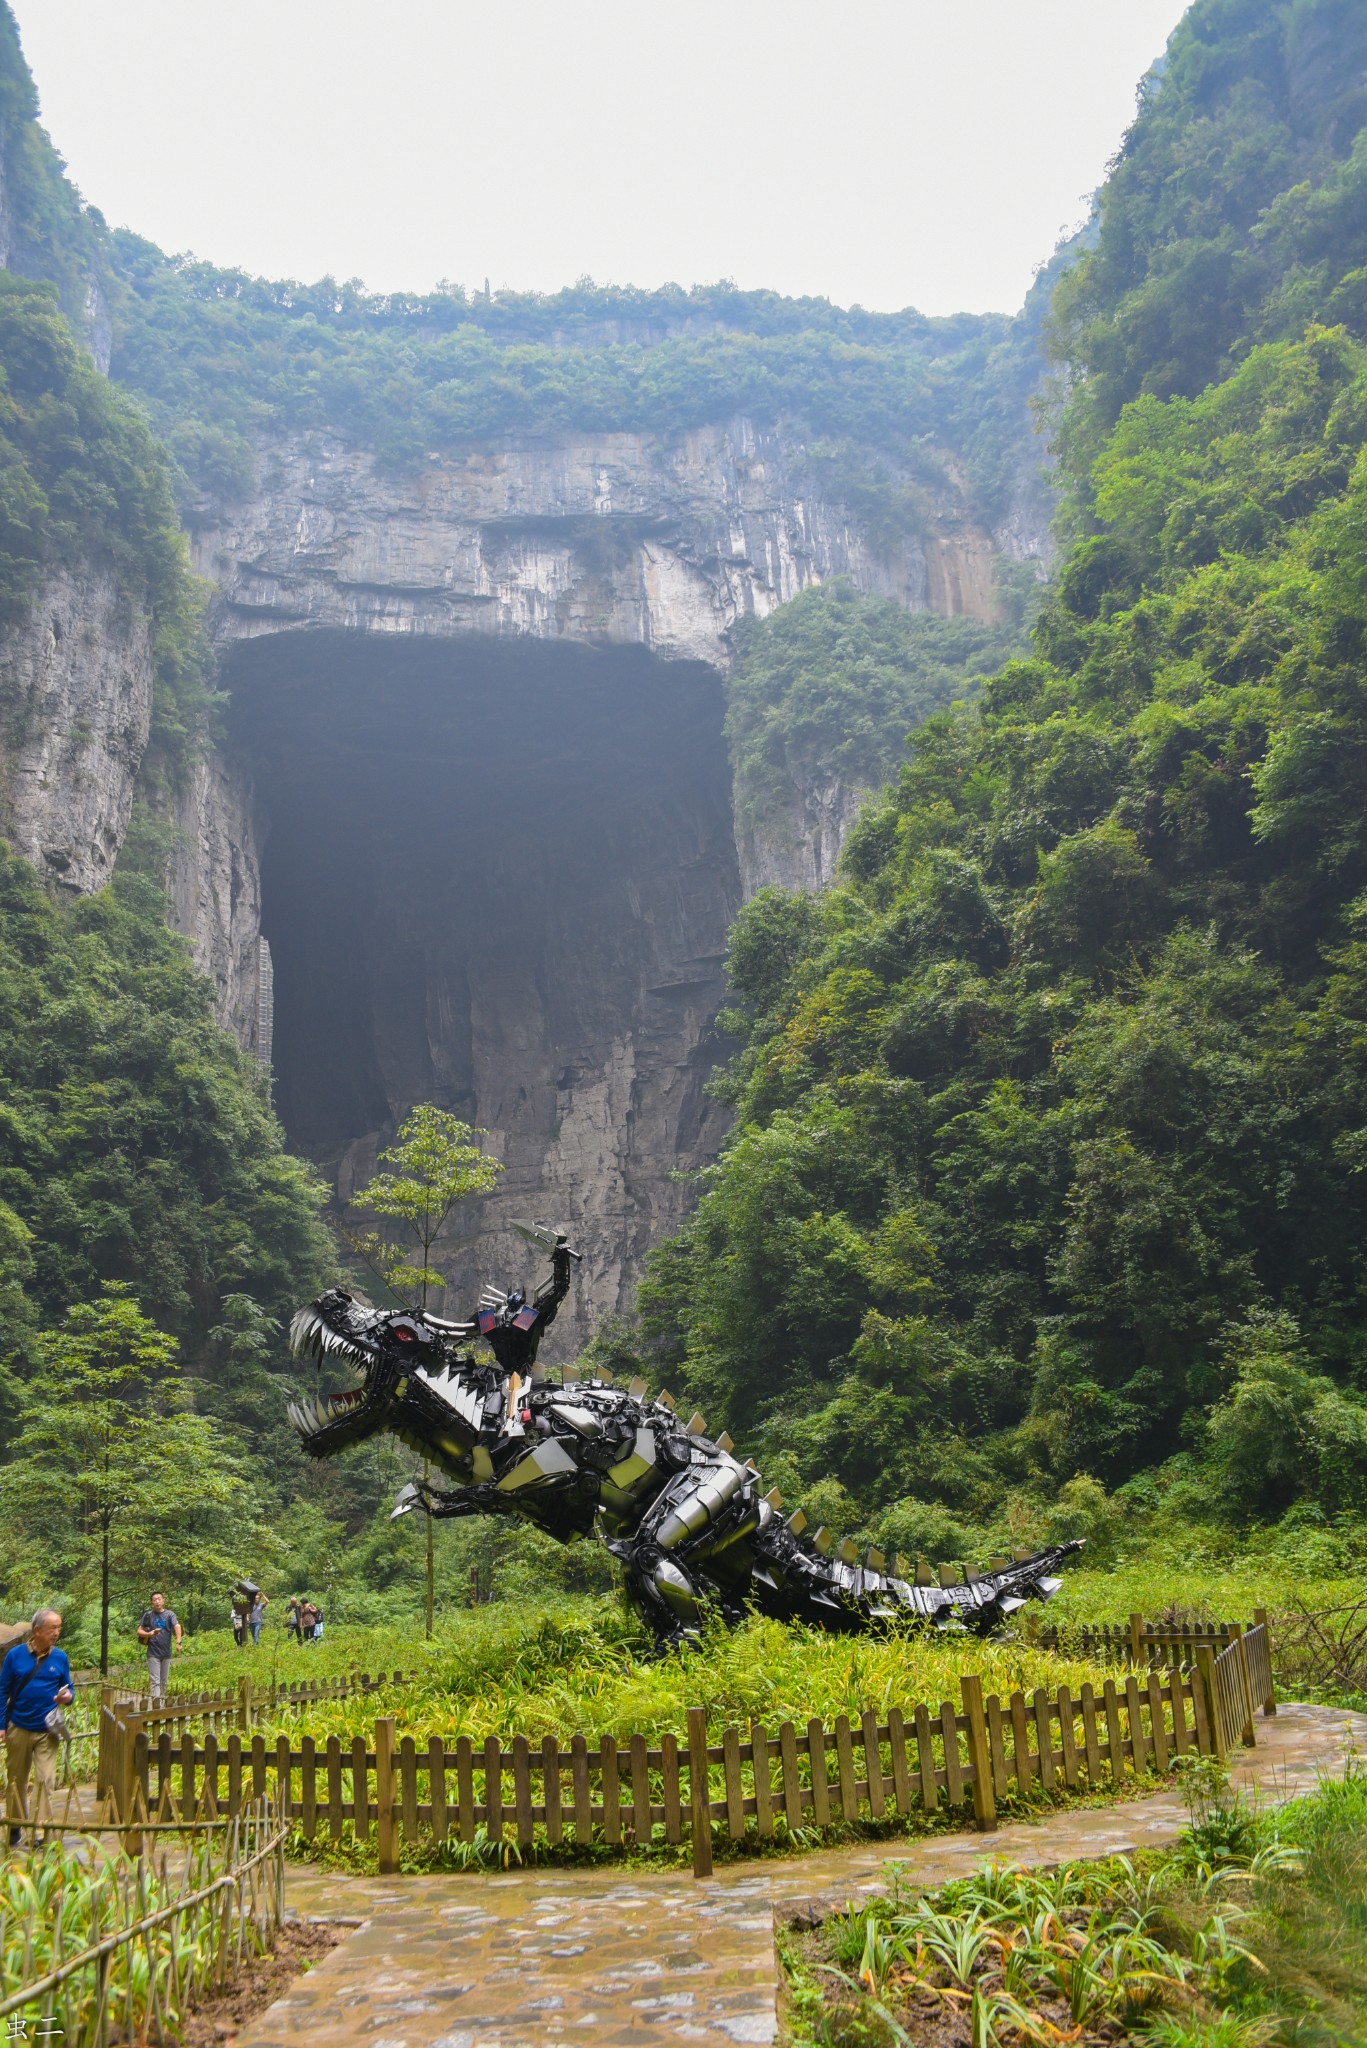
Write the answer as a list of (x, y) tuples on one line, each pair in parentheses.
[(1249, 1732), (1137, 1641), (1260, 1621), (125, 1735), (386, 1820), (699, 1804), (244, 1705), (139, 1779), (104, 1762), (1205, 1677), (984, 1796)]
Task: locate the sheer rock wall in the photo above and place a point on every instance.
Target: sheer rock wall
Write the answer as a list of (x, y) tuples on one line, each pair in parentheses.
[(623, 539), (544, 616), (75, 709)]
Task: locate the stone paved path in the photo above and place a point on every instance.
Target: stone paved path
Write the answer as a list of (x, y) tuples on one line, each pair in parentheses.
[(552, 1958)]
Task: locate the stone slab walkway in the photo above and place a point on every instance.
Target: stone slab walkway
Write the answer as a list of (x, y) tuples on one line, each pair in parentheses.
[(553, 1958)]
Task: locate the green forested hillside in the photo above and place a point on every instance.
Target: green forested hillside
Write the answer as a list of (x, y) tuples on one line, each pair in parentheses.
[(1235, 213), (220, 357), (52, 234), (828, 685), (82, 481), (135, 1140), (1052, 1118)]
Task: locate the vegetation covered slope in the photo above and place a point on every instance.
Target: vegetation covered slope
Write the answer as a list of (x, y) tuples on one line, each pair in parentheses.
[(135, 1140), (220, 357), (49, 232), (1235, 213), (1051, 1118), (825, 689)]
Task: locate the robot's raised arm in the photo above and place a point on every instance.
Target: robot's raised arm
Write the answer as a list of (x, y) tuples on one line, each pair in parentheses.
[(552, 1292)]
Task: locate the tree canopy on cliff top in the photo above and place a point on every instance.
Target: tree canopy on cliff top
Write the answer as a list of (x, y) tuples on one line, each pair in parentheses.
[(220, 358), (1051, 1118)]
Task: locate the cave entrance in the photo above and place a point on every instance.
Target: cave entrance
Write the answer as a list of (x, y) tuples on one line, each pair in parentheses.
[(498, 877)]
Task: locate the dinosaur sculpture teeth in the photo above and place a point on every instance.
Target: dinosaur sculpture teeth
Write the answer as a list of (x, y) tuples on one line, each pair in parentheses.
[(308, 1417), (310, 1338)]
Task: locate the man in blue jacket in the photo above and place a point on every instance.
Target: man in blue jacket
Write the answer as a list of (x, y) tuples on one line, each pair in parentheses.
[(35, 1680)]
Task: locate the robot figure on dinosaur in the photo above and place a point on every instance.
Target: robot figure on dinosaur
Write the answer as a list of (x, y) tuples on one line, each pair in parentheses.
[(688, 1521)]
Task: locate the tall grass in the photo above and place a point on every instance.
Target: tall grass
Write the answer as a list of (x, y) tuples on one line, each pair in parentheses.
[(586, 1667), (1223, 1590)]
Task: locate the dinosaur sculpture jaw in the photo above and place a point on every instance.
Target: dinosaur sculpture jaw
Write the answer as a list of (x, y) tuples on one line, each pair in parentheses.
[(334, 1421), (337, 1330)]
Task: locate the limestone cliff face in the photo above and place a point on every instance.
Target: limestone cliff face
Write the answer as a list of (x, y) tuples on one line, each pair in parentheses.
[(602, 539), (76, 681), (75, 708), (798, 846), (214, 882)]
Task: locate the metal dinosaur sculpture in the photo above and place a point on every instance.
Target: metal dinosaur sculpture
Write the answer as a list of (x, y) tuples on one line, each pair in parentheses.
[(688, 1521)]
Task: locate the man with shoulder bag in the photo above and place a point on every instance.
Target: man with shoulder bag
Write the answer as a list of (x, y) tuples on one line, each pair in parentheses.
[(159, 1632), (35, 1684)]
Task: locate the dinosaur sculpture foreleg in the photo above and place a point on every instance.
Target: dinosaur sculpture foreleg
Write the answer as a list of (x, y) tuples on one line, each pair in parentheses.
[(445, 1503)]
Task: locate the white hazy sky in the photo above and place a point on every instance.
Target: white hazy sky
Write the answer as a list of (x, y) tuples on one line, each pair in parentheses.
[(885, 152)]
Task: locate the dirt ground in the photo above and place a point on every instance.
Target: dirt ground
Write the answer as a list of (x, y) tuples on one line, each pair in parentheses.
[(300, 1944)]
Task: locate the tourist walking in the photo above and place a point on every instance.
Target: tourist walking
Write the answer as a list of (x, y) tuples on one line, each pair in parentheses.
[(242, 1615), (257, 1615), (309, 1618), (35, 1684), (159, 1632), (292, 1623)]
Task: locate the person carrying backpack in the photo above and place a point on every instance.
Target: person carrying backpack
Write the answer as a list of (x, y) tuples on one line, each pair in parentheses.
[(35, 1684), (159, 1632)]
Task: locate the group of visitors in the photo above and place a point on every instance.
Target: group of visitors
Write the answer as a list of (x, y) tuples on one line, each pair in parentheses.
[(36, 1683), (303, 1618)]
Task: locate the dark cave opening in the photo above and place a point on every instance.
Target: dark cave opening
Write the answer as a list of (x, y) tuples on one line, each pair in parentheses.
[(496, 876)]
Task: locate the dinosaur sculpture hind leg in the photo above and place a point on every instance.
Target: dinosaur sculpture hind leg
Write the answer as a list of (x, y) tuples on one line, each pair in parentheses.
[(677, 1561)]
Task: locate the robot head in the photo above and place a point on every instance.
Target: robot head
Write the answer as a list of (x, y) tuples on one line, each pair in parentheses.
[(516, 1300)]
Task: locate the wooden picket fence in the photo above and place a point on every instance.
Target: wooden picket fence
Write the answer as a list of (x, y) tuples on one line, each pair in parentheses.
[(1169, 1643), (927, 1757), (218, 1713), (248, 1699)]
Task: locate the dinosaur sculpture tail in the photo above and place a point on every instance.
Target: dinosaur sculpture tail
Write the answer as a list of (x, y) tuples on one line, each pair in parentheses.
[(805, 1580)]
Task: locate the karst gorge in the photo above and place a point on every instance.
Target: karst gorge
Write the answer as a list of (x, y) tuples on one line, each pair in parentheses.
[(501, 702)]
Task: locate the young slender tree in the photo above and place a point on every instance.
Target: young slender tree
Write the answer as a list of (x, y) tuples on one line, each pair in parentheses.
[(435, 1162), (109, 1463)]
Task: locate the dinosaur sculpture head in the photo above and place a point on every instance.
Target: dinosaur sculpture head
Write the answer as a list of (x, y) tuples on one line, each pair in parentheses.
[(381, 1349)]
